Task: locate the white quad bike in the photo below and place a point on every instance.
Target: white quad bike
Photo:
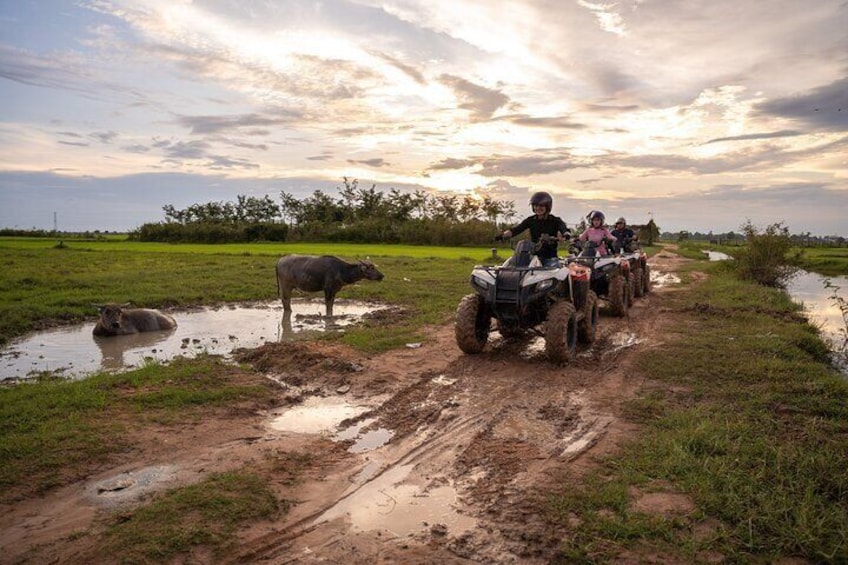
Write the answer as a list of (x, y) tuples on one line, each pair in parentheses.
[(610, 277), (640, 271), (523, 295)]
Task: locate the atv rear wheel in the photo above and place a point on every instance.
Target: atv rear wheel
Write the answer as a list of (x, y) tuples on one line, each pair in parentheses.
[(587, 327), (561, 332), (619, 295), (638, 282), (646, 280), (472, 324)]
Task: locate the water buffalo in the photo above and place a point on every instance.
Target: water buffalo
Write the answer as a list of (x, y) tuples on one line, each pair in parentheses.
[(117, 319), (327, 273)]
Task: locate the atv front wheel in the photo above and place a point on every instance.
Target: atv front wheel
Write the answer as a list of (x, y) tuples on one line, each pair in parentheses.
[(561, 332), (587, 327), (638, 282), (619, 295), (646, 280), (472, 324)]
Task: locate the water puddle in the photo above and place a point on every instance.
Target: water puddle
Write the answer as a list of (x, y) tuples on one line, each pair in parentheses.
[(388, 503), (660, 279), (130, 486), (718, 256), (364, 441), (73, 352), (316, 415), (622, 340), (810, 290)]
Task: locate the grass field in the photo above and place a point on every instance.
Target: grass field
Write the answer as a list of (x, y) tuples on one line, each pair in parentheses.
[(739, 410)]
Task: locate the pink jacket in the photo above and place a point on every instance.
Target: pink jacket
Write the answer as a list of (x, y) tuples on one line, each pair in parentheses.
[(596, 236)]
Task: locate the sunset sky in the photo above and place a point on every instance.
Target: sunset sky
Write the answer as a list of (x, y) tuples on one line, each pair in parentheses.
[(702, 114)]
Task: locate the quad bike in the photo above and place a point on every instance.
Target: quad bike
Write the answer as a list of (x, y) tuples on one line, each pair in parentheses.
[(640, 271), (521, 295), (610, 276)]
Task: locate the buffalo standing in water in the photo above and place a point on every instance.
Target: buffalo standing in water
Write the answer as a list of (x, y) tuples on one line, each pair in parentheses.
[(119, 320), (327, 273)]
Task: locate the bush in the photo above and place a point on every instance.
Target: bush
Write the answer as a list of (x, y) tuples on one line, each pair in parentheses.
[(766, 259)]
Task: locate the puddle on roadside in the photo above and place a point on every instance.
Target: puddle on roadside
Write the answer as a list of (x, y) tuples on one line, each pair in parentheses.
[(130, 486), (718, 256), (364, 440), (660, 279), (388, 504), (316, 415), (622, 340), (73, 352)]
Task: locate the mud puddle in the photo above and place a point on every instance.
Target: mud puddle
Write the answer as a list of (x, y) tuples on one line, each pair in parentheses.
[(718, 256), (393, 503), (73, 352), (660, 279)]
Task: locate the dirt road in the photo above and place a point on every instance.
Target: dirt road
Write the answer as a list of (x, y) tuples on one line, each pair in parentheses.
[(436, 459)]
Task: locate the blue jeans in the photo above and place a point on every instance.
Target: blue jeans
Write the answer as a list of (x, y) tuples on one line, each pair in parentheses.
[(551, 262)]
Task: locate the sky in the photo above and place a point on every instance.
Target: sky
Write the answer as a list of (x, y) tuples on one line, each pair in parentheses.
[(700, 114)]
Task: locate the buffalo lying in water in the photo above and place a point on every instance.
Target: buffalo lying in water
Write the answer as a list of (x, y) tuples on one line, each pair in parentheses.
[(117, 319), (311, 274)]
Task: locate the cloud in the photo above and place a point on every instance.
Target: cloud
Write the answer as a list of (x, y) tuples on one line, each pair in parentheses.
[(824, 108), (213, 124), (377, 162), (556, 122), (750, 136), (482, 102)]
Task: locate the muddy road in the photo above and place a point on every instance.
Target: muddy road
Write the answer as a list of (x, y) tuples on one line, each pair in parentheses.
[(436, 456)]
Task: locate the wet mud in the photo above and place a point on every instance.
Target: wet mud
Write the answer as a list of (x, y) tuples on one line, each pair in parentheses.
[(419, 455)]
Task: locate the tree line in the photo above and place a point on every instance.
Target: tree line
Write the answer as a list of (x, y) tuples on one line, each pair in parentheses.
[(364, 215)]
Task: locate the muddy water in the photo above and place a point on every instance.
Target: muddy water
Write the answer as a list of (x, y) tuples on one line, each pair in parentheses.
[(823, 310), (73, 352)]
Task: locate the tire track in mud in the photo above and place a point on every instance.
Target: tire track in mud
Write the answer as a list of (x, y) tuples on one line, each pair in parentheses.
[(495, 427)]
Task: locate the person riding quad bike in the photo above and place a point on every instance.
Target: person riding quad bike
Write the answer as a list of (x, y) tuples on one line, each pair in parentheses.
[(541, 223), (597, 234), (626, 244), (625, 238)]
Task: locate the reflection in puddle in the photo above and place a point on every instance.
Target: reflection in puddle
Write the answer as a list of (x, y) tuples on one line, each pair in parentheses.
[(365, 441), (718, 256), (822, 309), (387, 503), (660, 279), (316, 415), (74, 352), (622, 340)]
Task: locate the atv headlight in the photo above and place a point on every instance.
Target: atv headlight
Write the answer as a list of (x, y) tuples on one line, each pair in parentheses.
[(544, 285), (479, 283)]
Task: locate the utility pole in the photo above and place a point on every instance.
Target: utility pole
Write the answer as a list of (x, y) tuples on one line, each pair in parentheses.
[(55, 222)]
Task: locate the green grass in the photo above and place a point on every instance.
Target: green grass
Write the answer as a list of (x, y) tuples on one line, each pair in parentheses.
[(350, 250), (40, 287), (206, 514), (829, 261), (745, 417), (54, 430)]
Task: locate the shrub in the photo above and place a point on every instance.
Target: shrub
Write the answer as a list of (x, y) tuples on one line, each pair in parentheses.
[(766, 259)]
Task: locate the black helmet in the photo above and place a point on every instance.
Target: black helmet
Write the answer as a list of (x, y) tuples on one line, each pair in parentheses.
[(542, 199), (596, 214), (621, 221)]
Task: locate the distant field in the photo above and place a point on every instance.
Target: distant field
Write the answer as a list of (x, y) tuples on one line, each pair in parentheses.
[(830, 261), (348, 250)]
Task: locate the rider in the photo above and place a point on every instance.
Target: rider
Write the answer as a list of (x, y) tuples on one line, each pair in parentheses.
[(596, 233), (545, 228), (623, 235)]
